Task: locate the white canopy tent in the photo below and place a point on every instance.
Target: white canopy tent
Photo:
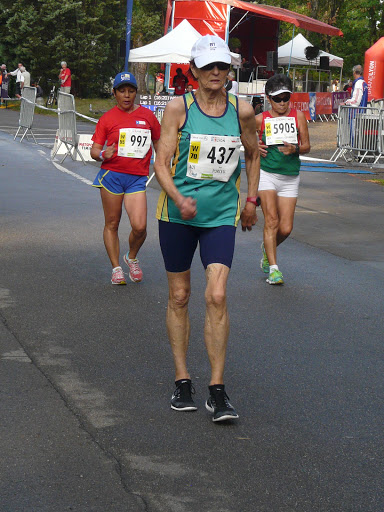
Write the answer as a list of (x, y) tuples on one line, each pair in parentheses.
[(173, 48), (293, 53)]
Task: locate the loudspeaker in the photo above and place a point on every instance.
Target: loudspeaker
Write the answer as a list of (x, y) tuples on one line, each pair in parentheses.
[(324, 63), (272, 61)]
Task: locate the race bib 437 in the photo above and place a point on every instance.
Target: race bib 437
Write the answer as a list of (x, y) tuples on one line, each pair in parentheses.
[(213, 157)]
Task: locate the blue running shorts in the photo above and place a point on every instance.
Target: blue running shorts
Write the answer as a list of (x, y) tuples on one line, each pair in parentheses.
[(178, 244), (120, 183)]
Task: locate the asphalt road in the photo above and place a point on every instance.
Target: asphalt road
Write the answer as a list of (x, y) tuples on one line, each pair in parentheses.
[(87, 372)]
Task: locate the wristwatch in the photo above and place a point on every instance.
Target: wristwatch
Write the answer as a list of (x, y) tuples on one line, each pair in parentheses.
[(297, 150)]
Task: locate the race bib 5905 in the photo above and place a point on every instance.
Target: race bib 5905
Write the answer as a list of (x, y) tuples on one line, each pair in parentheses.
[(279, 130)]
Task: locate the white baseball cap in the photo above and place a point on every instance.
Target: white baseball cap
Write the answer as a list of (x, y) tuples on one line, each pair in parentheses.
[(280, 91), (210, 49)]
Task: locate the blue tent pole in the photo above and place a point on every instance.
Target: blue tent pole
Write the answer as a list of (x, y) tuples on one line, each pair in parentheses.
[(128, 33), (290, 55)]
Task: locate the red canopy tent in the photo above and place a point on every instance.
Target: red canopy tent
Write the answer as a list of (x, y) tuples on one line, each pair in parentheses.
[(277, 13), (255, 25)]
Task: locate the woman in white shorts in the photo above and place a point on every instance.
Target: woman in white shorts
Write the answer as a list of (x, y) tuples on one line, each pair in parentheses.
[(283, 134)]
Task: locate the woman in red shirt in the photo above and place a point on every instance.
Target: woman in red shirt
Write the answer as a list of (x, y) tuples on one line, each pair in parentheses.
[(127, 130)]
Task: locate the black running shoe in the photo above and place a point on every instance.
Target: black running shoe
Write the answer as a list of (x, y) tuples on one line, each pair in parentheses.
[(218, 404), (182, 397)]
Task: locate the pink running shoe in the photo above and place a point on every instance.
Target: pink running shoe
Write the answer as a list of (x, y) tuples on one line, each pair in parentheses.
[(135, 272), (118, 276)]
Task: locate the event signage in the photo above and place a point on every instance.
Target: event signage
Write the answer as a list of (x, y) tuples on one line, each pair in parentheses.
[(313, 104), (323, 103), (337, 99), (154, 101), (300, 101)]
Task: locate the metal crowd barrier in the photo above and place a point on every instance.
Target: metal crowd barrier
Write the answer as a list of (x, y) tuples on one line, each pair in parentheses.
[(326, 117), (380, 137), (27, 111), (377, 103), (358, 130), (67, 133), (159, 112)]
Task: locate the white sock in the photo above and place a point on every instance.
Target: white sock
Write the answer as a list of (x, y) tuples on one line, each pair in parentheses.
[(272, 268)]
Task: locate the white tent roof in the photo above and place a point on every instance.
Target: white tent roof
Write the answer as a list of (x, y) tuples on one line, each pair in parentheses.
[(175, 47), (298, 54)]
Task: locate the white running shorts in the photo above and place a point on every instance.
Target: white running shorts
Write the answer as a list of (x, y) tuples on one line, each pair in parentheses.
[(285, 186)]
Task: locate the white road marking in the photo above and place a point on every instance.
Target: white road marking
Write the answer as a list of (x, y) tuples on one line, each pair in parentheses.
[(67, 171), (5, 298), (16, 355)]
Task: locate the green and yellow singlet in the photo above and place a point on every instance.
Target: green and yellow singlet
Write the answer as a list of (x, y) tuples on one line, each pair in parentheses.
[(207, 167)]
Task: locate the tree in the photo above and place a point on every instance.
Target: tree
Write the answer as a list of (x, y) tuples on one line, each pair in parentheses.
[(147, 26), (362, 22), (86, 34)]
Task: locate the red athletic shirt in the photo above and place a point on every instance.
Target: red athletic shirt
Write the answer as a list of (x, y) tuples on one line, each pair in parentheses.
[(108, 130), (63, 73)]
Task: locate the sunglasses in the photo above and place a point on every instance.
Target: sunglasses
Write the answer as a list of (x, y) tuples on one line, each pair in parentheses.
[(222, 66), (283, 98)]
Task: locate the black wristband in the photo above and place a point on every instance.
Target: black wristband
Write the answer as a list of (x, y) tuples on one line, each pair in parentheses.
[(297, 150)]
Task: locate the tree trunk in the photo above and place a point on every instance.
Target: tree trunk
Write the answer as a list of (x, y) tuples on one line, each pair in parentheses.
[(139, 69)]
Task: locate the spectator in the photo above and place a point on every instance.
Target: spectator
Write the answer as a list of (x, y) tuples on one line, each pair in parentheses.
[(189, 88), (179, 82), (159, 82), (39, 93), (359, 89), (335, 85), (39, 90), (17, 74), (4, 82), (232, 86), (348, 87), (25, 78), (65, 78)]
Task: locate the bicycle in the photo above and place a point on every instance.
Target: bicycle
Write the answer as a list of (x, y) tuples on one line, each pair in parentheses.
[(52, 96)]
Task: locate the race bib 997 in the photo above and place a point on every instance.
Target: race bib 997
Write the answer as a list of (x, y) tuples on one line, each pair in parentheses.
[(279, 130), (213, 157), (134, 142)]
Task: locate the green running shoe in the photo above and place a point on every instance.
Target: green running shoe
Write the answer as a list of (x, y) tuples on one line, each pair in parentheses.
[(275, 277), (264, 263)]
